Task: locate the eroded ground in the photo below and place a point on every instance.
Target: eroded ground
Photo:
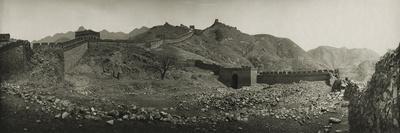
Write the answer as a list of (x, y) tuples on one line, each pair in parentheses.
[(170, 106)]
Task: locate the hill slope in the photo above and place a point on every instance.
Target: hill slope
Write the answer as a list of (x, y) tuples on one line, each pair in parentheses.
[(357, 64), (228, 46), (104, 34)]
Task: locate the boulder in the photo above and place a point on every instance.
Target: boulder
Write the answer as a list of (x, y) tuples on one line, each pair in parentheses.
[(334, 120), (111, 122), (64, 115)]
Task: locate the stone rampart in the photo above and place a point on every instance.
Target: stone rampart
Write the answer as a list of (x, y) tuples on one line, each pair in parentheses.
[(180, 38), (296, 76), (46, 45), (159, 42), (73, 54), (14, 59)]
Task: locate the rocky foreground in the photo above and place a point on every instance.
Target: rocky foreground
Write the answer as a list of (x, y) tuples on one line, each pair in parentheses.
[(299, 107)]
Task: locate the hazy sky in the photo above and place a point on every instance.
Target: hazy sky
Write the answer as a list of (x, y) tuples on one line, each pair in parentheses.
[(373, 24)]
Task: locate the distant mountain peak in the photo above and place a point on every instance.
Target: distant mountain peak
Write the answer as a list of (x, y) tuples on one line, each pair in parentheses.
[(167, 24)]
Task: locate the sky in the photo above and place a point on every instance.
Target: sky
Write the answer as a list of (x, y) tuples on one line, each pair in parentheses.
[(373, 24)]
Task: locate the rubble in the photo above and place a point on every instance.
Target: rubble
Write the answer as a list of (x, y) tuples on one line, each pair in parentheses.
[(334, 120), (68, 109), (229, 105), (64, 115), (111, 122)]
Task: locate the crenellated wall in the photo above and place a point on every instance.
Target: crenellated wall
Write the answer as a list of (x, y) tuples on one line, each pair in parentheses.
[(296, 76), (248, 76), (46, 45), (73, 51)]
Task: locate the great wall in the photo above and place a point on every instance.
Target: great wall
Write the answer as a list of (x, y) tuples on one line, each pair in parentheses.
[(14, 58), (247, 76), (72, 52)]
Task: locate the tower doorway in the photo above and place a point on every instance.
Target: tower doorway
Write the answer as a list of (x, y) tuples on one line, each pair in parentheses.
[(235, 83)]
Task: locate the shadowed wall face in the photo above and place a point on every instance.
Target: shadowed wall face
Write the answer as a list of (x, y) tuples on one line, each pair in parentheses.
[(14, 59), (73, 56), (275, 78), (237, 77)]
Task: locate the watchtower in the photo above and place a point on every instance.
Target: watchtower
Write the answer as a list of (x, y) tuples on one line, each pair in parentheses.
[(4, 37), (238, 77), (87, 35)]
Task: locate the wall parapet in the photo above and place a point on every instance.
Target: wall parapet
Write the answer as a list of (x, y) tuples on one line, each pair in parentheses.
[(45, 45), (274, 77), (11, 45)]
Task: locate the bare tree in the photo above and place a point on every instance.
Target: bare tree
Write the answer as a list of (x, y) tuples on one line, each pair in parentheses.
[(164, 61)]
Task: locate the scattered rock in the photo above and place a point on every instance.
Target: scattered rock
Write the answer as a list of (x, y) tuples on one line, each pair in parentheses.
[(64, 115), (125, 117), (334, 120), (339, 131), (111, 122)]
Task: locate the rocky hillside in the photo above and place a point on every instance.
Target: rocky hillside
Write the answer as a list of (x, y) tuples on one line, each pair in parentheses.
[(104, 34), (342, 57), (357, 64), (375, 108), (165, 31), (228, 46), (137, 31)]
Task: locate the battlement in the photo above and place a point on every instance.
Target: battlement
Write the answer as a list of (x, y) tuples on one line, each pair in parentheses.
[(323, 71), (274, 77), (46, 45), (87, 35), (242, 68)]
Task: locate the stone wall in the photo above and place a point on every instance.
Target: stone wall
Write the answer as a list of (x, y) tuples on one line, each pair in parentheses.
[(14, 59), (47, 66), (181, 38), (375, 109), (238, 77), (73, 54), (291, 77)]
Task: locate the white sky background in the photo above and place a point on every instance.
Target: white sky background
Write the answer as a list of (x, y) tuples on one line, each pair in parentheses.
[(373, 24)]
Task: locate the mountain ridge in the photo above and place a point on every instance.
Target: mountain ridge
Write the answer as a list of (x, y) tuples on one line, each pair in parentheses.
[(104, 34)]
